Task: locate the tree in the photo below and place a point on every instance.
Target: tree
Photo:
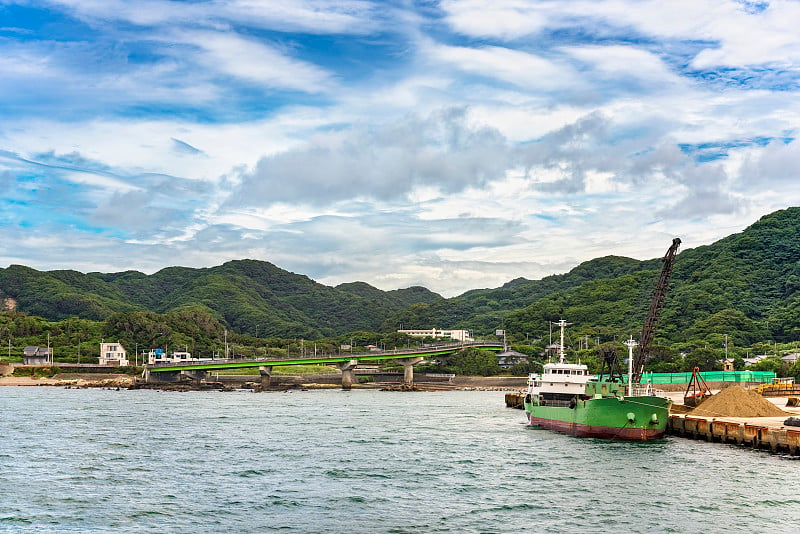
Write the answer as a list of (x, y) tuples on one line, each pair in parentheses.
[(771, 365), (704, 358), (474, 362)]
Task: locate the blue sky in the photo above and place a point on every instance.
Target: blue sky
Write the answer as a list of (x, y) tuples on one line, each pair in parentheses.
[(455, 145)]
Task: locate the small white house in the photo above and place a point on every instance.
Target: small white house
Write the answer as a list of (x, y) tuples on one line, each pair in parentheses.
[(113, 354)]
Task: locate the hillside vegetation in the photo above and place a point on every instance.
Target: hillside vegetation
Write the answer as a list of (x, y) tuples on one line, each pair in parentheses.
[(248, 296)]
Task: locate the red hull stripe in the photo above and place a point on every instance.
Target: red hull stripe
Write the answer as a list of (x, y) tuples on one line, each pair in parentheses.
[(594, 431)]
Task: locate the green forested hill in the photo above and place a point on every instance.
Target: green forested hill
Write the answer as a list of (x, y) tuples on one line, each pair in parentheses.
[(248, 295), (746, 285), (484, 310)]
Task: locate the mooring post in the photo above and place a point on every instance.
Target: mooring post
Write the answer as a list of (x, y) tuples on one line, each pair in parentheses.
[(408, 368), (266, 375), (348, 369)]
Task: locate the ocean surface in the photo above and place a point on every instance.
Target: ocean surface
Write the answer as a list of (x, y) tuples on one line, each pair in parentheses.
[(360, 461)]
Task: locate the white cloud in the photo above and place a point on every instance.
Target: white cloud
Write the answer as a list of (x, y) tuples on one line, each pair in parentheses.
[(507, 19), (737, 37), (316, 16), (386, 162), (505, 64), (453, 146), (251, 60), (625, 65)]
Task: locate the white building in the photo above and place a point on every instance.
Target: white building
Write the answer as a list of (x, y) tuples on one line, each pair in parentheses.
[(113, 354), (178, 356), (458, 335)]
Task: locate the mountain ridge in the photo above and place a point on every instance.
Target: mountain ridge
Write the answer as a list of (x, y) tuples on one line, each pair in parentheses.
[(748, 281)]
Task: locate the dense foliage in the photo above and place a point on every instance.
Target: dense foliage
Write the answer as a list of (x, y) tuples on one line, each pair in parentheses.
[(249, 296)]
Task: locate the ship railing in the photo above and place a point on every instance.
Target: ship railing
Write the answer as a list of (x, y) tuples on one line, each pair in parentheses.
[(646, 390), (556, 403)]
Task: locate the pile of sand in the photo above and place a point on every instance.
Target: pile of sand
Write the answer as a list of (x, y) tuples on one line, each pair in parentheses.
[(735, 401)]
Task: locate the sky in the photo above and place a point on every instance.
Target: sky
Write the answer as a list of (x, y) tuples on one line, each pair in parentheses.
[(450, 144)]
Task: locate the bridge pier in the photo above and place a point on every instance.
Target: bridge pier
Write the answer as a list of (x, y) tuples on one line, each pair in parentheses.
[(196, 375), (408, 368), (266, 375), (168, 377), (348, 369)]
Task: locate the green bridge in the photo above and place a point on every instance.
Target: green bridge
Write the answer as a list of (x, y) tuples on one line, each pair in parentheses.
[(197, 370)]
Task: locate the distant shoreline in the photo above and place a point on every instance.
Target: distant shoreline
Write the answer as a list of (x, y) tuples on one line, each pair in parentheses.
[(95, 380)]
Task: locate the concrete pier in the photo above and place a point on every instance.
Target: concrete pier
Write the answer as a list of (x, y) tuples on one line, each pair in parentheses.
[(408, 368), (195, 375), (266, 375), (348, 369), (757, 432)]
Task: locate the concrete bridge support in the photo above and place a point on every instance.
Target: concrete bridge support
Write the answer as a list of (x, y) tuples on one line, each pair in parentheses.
[(196, 375), (168, 377), (408, 368), (348, 369), (266, 375)]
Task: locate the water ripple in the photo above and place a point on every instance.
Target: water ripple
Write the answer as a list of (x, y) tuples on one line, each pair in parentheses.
[(383, 462)]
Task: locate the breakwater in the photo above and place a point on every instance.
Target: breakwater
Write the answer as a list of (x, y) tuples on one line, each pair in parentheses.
[(768, 433)]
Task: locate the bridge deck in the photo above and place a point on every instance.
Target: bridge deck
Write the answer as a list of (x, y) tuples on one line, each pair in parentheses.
[(439, 350)]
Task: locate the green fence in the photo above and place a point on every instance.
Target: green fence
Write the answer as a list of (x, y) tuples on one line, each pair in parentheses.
[(710, 376)]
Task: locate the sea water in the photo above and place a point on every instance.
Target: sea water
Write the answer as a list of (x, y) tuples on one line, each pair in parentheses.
[(360, 461)]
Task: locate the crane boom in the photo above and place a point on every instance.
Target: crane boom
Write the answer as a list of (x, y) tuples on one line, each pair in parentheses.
[(653, 312)]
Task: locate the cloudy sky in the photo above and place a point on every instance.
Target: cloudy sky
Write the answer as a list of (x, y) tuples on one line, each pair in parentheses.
[(450, 144)]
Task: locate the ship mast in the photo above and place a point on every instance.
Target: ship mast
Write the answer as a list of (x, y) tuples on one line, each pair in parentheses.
[(630, 344), (562, 323)]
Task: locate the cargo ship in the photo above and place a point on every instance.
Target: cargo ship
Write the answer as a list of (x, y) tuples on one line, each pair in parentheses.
[(564, 397)]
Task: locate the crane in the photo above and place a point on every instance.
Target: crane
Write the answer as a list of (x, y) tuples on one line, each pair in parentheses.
[(656, 305)]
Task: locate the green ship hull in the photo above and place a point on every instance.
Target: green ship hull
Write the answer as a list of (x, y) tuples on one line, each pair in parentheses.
[(635, 418)]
